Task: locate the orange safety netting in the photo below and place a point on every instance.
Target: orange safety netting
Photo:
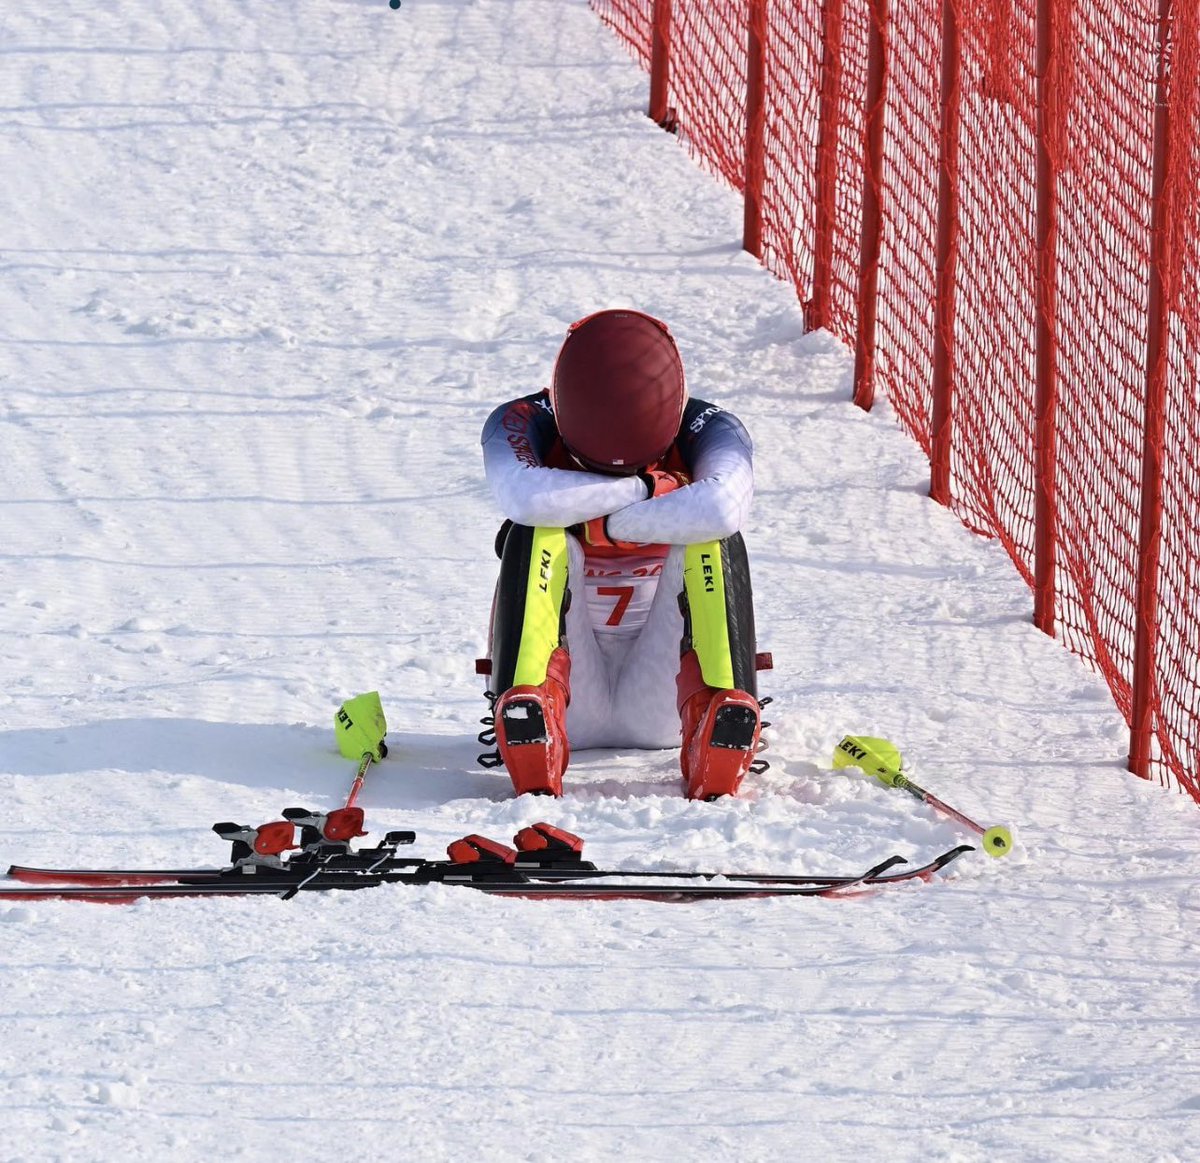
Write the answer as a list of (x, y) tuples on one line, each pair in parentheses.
[(1023, 372)]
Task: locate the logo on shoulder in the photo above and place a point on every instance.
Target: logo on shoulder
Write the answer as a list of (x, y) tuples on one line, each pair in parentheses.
[(698, 423), (519, 416), (516, 422)]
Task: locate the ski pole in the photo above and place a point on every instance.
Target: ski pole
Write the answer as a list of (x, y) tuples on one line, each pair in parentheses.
[(363, 764), (360, 727), (881, 759)]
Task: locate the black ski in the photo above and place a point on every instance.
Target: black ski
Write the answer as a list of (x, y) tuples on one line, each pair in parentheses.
[(923, 872), (366, 861), (546, 863), (289, 881)]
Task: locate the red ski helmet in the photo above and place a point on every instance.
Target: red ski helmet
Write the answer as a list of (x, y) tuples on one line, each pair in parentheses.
[(618, 390)]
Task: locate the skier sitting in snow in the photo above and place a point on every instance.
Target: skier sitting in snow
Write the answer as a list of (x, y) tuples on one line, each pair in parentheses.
[(623, 613)]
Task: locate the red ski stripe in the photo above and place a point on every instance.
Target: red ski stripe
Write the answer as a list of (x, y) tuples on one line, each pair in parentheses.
[(84, 876)]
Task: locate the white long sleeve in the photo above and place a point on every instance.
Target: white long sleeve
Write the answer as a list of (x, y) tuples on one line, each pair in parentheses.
[(520, 436), (530, 493), (715, 505)]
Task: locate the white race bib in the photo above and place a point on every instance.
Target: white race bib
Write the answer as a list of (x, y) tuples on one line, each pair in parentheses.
[(620, 590)]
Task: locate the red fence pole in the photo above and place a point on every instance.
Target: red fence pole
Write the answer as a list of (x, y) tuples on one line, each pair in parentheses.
[(816, 310), (947, 258), (1049, 139), (872, 216), (756, 38), (660, 61), (1157, 349)]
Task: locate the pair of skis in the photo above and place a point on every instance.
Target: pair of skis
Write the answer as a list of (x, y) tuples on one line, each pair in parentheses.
[(545, 864)]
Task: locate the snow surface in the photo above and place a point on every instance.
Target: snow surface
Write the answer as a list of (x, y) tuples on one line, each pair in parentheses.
[(266, 268)]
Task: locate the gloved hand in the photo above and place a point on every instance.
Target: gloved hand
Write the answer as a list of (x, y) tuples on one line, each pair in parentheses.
[(659, 481), (594, 534)]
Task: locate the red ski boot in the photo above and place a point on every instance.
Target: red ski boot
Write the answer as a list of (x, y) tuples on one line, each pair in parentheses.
[(720, 730), (531, 730)]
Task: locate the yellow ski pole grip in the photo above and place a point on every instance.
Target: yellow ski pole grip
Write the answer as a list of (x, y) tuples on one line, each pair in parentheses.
[(360, 727)]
